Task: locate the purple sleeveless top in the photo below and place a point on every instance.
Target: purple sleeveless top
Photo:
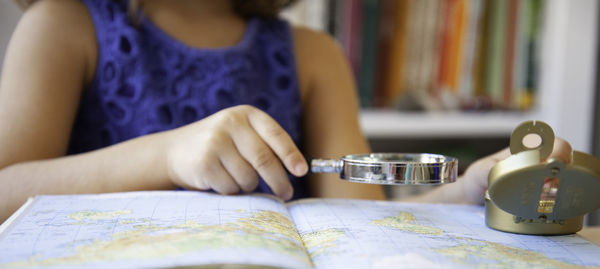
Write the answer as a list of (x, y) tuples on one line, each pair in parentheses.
[(146, 81)]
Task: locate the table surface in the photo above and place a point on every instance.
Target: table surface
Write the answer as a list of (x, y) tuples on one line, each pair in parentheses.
[(591, 233)]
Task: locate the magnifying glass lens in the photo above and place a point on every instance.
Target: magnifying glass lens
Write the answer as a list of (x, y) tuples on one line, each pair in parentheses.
[(392, 168)]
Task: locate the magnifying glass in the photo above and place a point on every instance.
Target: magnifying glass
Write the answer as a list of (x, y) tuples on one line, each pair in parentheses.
[(391, 168)]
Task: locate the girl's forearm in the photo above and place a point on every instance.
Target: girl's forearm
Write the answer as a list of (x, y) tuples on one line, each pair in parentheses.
[(138, 164), (447, 193)]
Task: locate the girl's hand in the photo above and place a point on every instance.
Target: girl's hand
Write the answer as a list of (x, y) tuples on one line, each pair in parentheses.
[(474, 182), (225, 151)]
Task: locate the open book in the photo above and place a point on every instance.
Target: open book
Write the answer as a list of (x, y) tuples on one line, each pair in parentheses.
[(186, 228)]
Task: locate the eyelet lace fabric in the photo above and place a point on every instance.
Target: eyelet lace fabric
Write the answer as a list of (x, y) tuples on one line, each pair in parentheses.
[(147, 82)]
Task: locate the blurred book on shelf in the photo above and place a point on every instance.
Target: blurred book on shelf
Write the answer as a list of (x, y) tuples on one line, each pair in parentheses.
[(467, 55)]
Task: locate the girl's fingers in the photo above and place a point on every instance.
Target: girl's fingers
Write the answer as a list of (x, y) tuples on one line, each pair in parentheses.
[(279, 141), (264, 161), (562, 150), (240, 170), (216, 176)]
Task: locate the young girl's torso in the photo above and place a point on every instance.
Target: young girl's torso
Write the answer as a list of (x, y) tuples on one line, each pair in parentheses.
[(164, 73)]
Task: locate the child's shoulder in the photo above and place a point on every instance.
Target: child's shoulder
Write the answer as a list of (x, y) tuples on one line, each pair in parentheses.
[(58, 25), (317, 54), (307, 40), (59, 11), (64, 21)]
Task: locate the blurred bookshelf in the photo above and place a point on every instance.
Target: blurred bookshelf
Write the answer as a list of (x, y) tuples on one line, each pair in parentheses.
[(438, 125), (456, 77), (465, 69)]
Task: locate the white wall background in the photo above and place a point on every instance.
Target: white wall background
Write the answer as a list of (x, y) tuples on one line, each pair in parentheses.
[(568, 81), (9, 16)]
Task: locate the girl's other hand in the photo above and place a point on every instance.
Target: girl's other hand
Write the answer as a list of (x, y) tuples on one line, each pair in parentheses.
[(475, 180), (225, 151)]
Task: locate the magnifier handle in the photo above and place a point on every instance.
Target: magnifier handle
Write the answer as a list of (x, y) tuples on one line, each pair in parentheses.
[(325, 165)]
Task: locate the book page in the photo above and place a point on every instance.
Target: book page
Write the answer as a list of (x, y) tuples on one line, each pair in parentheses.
[(375, 234), (152, 229)]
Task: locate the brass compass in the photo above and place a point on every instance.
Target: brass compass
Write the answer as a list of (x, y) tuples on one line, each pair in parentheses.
[(531, 194)]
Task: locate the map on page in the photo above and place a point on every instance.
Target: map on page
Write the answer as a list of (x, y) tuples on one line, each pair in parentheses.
[(185, 228), (153, 229), (372, 234)]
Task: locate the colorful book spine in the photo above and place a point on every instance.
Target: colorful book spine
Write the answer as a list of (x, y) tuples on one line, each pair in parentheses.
[(532, 46), (521, 51), (495, 52), (387, 18), (428, 57), (474, 13), (458, 23), (394, 67), (444, 45), (509, 53), (352, 20), (413, 38), (366, 79), (480, 63)]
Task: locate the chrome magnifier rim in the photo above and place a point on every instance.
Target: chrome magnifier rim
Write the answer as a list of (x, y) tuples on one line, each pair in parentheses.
[(391, 168)]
